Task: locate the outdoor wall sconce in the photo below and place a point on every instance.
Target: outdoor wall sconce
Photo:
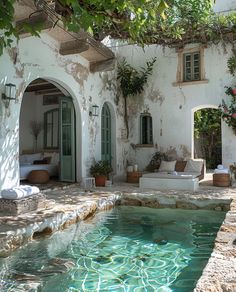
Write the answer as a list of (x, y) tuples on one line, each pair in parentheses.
[(9, 94), (93, 112)]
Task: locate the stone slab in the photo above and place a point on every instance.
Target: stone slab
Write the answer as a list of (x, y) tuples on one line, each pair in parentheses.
[(21, 206)]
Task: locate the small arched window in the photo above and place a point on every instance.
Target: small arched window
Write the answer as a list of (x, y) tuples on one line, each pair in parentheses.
[(146, 136)]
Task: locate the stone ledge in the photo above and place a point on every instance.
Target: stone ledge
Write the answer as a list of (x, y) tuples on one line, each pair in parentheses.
[(21, 206)]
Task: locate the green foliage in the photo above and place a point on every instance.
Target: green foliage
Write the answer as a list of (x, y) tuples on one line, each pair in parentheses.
[(207, 121), (101, 168), (6, 23), (132, 82), (228, 109), (207, 131), (231, 64), (166, 22)]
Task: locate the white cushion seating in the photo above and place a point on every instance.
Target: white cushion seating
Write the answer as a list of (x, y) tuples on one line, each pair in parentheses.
[(170, 179), (193, 165), (27, 163), (167, 166)]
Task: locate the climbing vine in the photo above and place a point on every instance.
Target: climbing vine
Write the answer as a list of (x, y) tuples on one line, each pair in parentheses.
[(132, 82), (164, 22)]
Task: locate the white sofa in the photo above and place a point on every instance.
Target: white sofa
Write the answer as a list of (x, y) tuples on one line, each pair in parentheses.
[(39, 161), (167, 178)]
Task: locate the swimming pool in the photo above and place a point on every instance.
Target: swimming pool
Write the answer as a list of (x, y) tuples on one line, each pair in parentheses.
[(124, 249)]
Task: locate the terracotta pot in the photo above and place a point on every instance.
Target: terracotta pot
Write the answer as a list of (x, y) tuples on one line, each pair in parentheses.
[(100, 180), (234, 91)]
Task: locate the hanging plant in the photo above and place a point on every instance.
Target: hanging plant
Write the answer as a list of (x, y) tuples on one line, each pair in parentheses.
[(229, 109), (132, 82)]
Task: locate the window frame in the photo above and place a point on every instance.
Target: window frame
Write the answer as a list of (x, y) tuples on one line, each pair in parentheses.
[(180, 76), (46, 146), (149, 129)]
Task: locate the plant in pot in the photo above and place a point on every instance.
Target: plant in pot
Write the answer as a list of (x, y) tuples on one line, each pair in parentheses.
[(101, 170)]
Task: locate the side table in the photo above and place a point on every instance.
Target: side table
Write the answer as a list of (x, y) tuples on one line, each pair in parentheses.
[(221, 179), (38, 176), (133, 177)]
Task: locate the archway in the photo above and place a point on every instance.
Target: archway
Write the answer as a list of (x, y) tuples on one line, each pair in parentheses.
[(47, 131), (207, 140)]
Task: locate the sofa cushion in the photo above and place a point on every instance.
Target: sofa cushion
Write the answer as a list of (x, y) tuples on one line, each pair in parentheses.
[(46, 160), (180, 165), (54, 157), (167, 166), (193, 166), (30, 158)]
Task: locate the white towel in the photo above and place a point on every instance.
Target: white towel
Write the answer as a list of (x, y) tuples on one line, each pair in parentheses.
[(19, 192), (220, 166), (224, 170)]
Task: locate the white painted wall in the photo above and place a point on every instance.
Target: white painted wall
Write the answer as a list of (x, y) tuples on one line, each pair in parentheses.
[(39, 58), (224, 5), (172, 107)]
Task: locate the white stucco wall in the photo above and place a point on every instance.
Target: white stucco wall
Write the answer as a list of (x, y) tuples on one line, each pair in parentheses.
[(172, 107), (39, 58), (224, 5)]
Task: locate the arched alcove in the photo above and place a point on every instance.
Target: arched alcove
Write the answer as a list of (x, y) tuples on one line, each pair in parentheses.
[(206, 134), (50, 122)]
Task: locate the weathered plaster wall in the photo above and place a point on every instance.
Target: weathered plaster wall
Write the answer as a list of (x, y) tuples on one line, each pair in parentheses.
[(30, 102), (172, 107), (39, 58)]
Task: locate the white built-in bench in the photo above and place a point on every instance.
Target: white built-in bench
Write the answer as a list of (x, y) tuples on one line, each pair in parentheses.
[(167, 181), (175, 175)]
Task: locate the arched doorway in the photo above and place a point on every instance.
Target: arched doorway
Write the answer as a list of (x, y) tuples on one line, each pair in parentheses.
[(207, 136), (47, 131), (106, 134)]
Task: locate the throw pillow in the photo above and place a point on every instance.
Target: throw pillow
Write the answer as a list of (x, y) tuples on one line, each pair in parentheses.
[(40, 161), (167, 166), (193, 166), (47, 159), (180, 165)]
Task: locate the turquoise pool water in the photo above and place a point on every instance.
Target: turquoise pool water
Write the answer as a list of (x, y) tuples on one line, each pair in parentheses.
[(125, 249)]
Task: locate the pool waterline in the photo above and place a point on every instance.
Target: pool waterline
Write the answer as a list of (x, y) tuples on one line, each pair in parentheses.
[(105, 247)]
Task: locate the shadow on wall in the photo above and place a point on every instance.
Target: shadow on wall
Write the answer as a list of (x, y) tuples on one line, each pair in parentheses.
[(9, 158)]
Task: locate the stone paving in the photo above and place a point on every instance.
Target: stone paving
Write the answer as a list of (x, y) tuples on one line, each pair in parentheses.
[(68, 204)]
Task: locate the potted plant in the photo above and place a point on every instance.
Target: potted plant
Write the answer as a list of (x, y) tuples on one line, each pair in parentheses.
[(101, 170)]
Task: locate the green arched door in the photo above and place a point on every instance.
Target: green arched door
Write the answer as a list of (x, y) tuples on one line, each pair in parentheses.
[(106, 133)]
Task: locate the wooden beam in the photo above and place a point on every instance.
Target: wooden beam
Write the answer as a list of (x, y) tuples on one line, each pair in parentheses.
[(73, 47), (34, 20), (105, 65), (54, 90)]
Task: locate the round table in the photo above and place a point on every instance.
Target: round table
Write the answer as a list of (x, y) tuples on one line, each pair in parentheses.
[(221, 179), (38, 176)]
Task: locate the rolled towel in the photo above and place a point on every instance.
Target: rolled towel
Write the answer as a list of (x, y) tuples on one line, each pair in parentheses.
[(19, 192), (224, 170), (220, 166)]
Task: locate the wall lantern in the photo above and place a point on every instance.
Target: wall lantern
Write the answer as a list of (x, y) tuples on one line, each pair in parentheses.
[(9, 94), (93, 112)]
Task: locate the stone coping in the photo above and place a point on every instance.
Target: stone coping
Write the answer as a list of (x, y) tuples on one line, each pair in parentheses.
[(69, 205)]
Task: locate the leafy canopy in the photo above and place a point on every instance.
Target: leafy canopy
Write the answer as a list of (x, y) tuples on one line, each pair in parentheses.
[(166, 22)]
